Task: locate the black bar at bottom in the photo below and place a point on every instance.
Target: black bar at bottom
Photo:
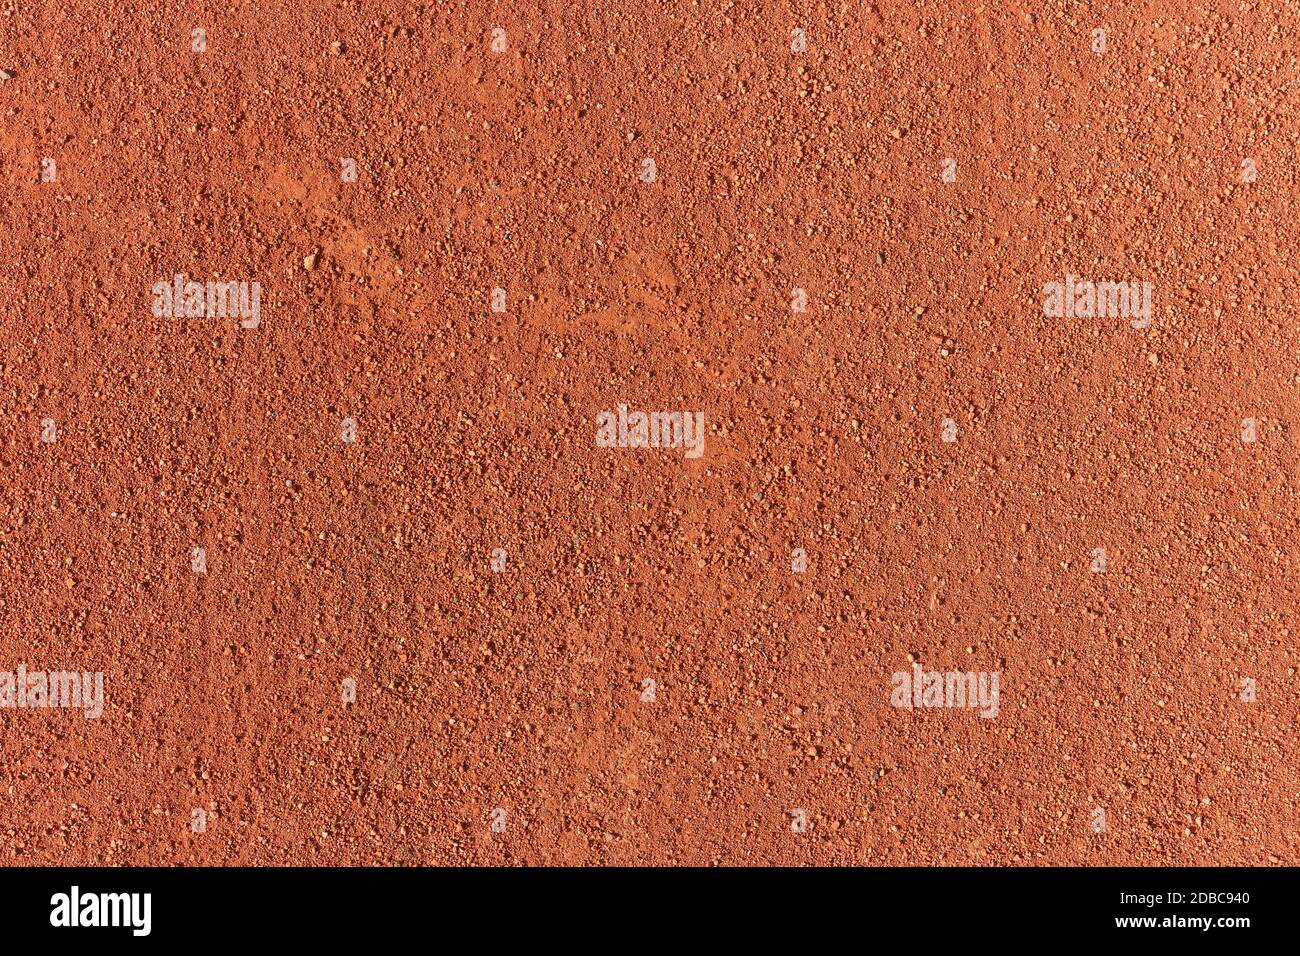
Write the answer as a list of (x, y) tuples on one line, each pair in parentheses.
[(615, 907)]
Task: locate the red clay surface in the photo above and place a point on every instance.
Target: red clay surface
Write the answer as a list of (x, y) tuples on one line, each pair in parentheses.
[(522, 690)]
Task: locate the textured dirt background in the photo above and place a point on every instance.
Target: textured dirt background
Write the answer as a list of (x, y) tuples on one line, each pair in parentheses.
[(521, 690)]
